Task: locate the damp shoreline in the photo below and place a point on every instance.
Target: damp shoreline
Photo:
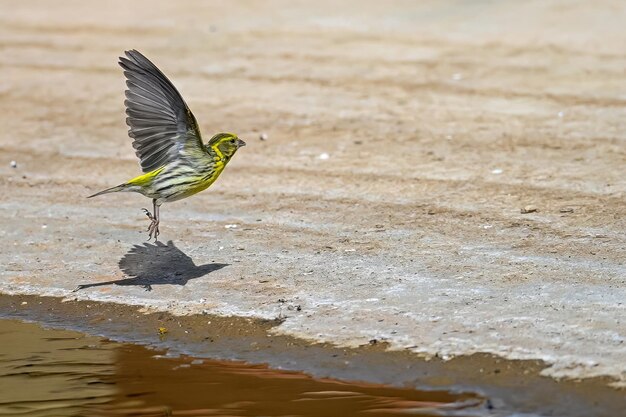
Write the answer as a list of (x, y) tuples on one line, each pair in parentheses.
[(508, 386), (73, 373)]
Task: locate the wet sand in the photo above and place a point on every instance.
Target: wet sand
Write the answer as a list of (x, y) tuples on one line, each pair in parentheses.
[(486, 384), (51, 372), (441, 122)]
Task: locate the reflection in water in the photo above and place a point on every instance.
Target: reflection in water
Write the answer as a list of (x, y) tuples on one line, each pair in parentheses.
[(52, 372), (62, 373)]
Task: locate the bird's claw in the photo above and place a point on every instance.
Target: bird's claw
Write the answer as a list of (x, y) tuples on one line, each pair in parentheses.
[(147, 212), (153, 228)]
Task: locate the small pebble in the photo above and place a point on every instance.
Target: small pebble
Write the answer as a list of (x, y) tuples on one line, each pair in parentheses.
[(230, 226), (13, 164), (497, 171), (324, 156), (528, 209), (457, 77), (263, 136)]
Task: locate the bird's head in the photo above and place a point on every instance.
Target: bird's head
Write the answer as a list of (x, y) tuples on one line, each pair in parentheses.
[(225, 144)]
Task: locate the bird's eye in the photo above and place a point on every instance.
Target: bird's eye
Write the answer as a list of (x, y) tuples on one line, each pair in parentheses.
[(232, 141)]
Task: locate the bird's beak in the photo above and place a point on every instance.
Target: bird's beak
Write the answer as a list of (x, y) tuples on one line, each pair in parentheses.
[(240, 143)]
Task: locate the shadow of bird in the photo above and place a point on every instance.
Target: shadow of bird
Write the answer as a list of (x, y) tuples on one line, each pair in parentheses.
[(157, 264)]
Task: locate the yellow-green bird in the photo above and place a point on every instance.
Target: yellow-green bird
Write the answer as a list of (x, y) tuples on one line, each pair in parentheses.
[(167, 140)]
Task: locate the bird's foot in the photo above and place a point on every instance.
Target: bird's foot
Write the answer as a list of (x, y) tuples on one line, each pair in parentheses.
[(150, 216), (153, 229)]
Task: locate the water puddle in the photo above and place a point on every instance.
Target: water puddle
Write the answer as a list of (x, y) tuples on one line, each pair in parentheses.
[(47, 372)]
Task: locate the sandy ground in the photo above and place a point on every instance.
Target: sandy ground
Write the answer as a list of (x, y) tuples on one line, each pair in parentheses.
[(441, 121)]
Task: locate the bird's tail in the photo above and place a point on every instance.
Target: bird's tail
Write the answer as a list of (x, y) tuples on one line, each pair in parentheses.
[(120, 187)]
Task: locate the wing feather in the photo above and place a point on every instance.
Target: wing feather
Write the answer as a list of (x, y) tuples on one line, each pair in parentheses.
[(160, 122)]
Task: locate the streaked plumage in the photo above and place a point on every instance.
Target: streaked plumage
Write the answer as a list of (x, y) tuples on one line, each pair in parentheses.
[(167, 140)]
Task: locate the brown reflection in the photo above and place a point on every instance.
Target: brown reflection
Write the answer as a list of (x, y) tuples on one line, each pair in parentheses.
[(182, 387), (46, 372), (52, 372)]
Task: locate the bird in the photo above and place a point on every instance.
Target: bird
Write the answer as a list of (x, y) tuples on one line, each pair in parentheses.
[(175, 162)]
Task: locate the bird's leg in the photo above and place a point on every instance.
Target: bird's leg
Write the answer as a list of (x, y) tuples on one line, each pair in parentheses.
[(153, 229), (158, 220), (152, 221), (145, 210)]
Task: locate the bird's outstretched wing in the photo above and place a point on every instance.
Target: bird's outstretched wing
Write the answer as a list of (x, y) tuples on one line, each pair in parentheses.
[(161, 124)]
